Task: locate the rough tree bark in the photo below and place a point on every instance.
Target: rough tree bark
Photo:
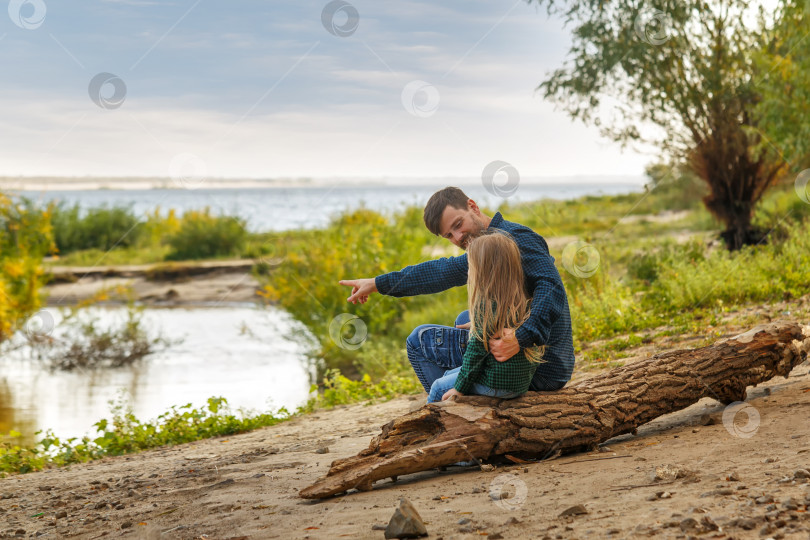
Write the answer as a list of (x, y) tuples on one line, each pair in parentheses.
[(540, 424)]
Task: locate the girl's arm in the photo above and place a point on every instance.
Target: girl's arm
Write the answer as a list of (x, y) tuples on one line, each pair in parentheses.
[(472, 366)]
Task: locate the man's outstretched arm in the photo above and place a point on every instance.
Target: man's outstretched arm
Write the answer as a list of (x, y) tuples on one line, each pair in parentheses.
[(424, 278)]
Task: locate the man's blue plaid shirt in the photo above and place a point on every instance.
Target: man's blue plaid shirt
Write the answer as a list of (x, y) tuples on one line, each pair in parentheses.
[(550, 321)]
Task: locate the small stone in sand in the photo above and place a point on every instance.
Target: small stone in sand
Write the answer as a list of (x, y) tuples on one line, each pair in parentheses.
[(576, 510), (666, 473), (322, 450), (406, 522), (790, 504)]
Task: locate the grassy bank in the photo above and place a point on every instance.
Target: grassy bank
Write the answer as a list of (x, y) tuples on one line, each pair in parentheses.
[(658, 265), (653, 268)]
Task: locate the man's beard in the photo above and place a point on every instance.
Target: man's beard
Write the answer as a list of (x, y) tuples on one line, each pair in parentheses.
[(470, 236)]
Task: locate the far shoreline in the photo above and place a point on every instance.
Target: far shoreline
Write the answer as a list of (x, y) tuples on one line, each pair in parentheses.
[(45, 184)]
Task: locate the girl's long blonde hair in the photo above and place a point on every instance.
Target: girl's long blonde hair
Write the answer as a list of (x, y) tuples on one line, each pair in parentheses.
[(495, 286)]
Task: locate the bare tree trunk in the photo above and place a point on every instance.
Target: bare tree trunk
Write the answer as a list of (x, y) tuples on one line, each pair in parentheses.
[(575, 418)]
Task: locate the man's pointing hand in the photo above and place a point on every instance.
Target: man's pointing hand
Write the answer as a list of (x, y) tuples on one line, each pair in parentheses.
[(361, 288)]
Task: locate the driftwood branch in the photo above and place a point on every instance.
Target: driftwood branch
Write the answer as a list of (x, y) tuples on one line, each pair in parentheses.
[(575, 418)]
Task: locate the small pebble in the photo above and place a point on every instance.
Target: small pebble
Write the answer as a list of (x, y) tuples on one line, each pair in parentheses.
[(688, 524), (790, 504), (322, 450), (576, 510)]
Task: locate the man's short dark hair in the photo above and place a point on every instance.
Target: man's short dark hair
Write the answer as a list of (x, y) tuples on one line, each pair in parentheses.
[(439, 201)]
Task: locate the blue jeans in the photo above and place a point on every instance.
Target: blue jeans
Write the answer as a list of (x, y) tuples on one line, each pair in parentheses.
[(443, 384), (434, 349)]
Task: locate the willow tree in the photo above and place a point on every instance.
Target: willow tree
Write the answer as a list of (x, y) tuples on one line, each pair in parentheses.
[(676, 74)]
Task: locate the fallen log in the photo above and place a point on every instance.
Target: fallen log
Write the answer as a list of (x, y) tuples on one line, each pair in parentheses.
[(579, 417)]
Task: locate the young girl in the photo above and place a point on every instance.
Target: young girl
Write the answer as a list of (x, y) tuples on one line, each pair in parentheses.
[(497, 300)]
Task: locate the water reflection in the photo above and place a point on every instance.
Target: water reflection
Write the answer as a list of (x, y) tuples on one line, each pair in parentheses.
[(11, 417), (256, 369)]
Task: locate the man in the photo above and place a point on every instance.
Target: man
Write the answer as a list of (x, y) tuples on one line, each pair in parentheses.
[(433, 349)]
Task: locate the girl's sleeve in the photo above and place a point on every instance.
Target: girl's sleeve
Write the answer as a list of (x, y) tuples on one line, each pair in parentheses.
[(472, 366)]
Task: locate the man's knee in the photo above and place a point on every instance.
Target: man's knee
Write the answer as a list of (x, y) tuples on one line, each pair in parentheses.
[(463, 317), (414, 340)]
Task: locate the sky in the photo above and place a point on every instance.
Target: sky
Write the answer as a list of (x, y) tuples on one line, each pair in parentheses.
[(288, 89)]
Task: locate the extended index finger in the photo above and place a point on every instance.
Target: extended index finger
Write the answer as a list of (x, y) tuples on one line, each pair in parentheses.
[(348, 282)]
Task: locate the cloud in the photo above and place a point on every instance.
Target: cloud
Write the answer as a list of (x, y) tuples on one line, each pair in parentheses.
[(263, 90)]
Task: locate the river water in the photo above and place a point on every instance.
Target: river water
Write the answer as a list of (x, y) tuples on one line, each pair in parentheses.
[(276, 209), (238, 352)]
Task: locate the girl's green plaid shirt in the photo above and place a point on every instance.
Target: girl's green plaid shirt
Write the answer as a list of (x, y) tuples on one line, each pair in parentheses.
[(550, 321), (481, 367)]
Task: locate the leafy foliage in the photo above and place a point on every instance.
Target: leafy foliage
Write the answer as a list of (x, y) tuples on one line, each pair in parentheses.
[(303, 271), (202, 235), (25, 238), (676, 74), (102, 228), (784, 111)]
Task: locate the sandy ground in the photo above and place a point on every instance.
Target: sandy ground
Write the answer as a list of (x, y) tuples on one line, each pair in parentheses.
[(739, 483)]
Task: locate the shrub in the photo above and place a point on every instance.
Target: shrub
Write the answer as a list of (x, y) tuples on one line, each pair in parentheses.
[(303, 279), (25, 238), (202, 235), (101, 228)]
